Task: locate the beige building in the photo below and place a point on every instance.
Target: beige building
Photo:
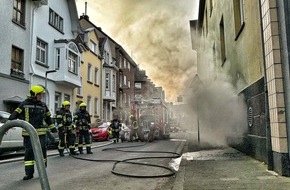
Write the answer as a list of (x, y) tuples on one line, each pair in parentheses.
[(242, 40), (91, 75)]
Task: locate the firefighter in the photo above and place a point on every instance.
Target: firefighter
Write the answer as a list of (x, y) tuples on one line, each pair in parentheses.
[(82, 119), (38, 115), (66, 131), (115, 127), (134, 127)]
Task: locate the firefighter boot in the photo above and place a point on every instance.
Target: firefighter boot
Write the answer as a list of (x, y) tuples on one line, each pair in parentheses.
[(29, 170), (81, 150), (89, 151), (72, 151), (61, 154)]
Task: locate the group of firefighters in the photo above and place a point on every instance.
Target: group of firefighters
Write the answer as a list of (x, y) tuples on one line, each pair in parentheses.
[(36, 112)]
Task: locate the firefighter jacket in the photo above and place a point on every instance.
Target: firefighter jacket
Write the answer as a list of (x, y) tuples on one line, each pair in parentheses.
[(64, 119), (36, 113), (115, 125), (82, 119)]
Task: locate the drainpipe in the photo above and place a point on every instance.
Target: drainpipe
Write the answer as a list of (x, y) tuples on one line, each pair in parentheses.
[(31, 72), (268, 127), (284, 23)]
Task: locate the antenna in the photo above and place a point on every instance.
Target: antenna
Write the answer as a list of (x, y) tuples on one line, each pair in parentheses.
[(86, 8)]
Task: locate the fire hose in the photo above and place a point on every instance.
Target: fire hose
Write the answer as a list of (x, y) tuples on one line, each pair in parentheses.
[(170, 171)]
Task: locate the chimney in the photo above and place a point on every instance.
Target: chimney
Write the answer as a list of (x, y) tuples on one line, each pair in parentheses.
[(85, 16)]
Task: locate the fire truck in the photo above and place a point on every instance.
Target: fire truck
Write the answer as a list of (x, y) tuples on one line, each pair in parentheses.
[(154, 119)]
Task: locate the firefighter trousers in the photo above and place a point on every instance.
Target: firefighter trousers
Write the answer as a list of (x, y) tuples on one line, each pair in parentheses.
[(29, 155), (66, 138), (84, 134)]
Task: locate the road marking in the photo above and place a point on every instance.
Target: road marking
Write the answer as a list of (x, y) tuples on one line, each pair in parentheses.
[(230, 179)]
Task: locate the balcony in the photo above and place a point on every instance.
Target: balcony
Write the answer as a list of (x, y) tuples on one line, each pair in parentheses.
[(65, 77), (109, 96)]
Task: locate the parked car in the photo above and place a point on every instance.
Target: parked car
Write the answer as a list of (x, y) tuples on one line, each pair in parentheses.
[(12, 140), (101, 132)]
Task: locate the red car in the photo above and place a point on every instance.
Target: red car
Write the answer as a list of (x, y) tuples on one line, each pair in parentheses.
[(101, 132)]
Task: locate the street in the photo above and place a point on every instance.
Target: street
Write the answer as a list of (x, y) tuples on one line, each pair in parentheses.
[(70, 173)]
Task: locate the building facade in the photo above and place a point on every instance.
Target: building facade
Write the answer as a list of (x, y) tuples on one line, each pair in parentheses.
[(40, 52), (90, 91), (242, 40)]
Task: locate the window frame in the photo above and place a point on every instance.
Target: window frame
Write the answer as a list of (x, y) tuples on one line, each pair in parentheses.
[(41, 52), (55, 20), (17, 62), (19, 11)]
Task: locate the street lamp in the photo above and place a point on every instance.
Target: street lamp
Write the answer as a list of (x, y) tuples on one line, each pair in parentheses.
[(47, 94)]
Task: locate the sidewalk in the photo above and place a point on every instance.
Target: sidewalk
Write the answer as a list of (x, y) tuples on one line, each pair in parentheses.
[(225, 169)]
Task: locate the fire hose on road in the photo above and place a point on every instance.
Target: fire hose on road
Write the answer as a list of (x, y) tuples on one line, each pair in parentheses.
[(170, 171)]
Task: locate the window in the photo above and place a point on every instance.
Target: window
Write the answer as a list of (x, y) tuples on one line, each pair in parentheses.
[(18, 12), (80, 90), (138, 85), (125, 80), (129, 84), (89, 104), (89, 72), (41, 52), (57, 58), (108, 60), (107, 83), (72, 62), (238, 16), (114, 83), (96, 76), (96, 106), (57, 101), (121, 79), (55, 20), (66, 97), (93, 47), (210, 7), (222, 41), (17, 62)]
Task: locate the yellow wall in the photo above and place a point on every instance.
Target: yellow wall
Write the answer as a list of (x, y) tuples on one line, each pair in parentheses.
[(90, 88)]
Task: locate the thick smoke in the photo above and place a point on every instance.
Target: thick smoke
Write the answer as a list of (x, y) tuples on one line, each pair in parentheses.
[(154, 32), (214, 108), (220, 111)]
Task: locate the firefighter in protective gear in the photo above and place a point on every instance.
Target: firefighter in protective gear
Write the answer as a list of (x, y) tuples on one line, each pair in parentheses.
[(65, 129), (134, 127), (115, 127), (82, 119), (38, 115)]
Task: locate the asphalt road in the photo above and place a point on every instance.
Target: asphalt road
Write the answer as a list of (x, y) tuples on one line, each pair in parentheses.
[(74, 174)]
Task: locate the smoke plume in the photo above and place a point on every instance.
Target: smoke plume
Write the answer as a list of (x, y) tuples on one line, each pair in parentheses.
[(154, 32)]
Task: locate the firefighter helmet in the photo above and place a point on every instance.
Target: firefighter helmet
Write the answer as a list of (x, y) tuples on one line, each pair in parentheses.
[(36, 89), (65, 103), (83, 105)]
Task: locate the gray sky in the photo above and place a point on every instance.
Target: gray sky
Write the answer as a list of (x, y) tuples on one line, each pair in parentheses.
[(154, 32)]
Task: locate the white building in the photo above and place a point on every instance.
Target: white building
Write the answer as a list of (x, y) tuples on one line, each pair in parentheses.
[(39, 48)]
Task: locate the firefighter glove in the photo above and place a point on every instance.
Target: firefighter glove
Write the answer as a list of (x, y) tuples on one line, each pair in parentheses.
[(53, 130)]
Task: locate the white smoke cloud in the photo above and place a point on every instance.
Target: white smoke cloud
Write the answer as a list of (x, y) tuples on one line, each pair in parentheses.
[(154, 32)]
